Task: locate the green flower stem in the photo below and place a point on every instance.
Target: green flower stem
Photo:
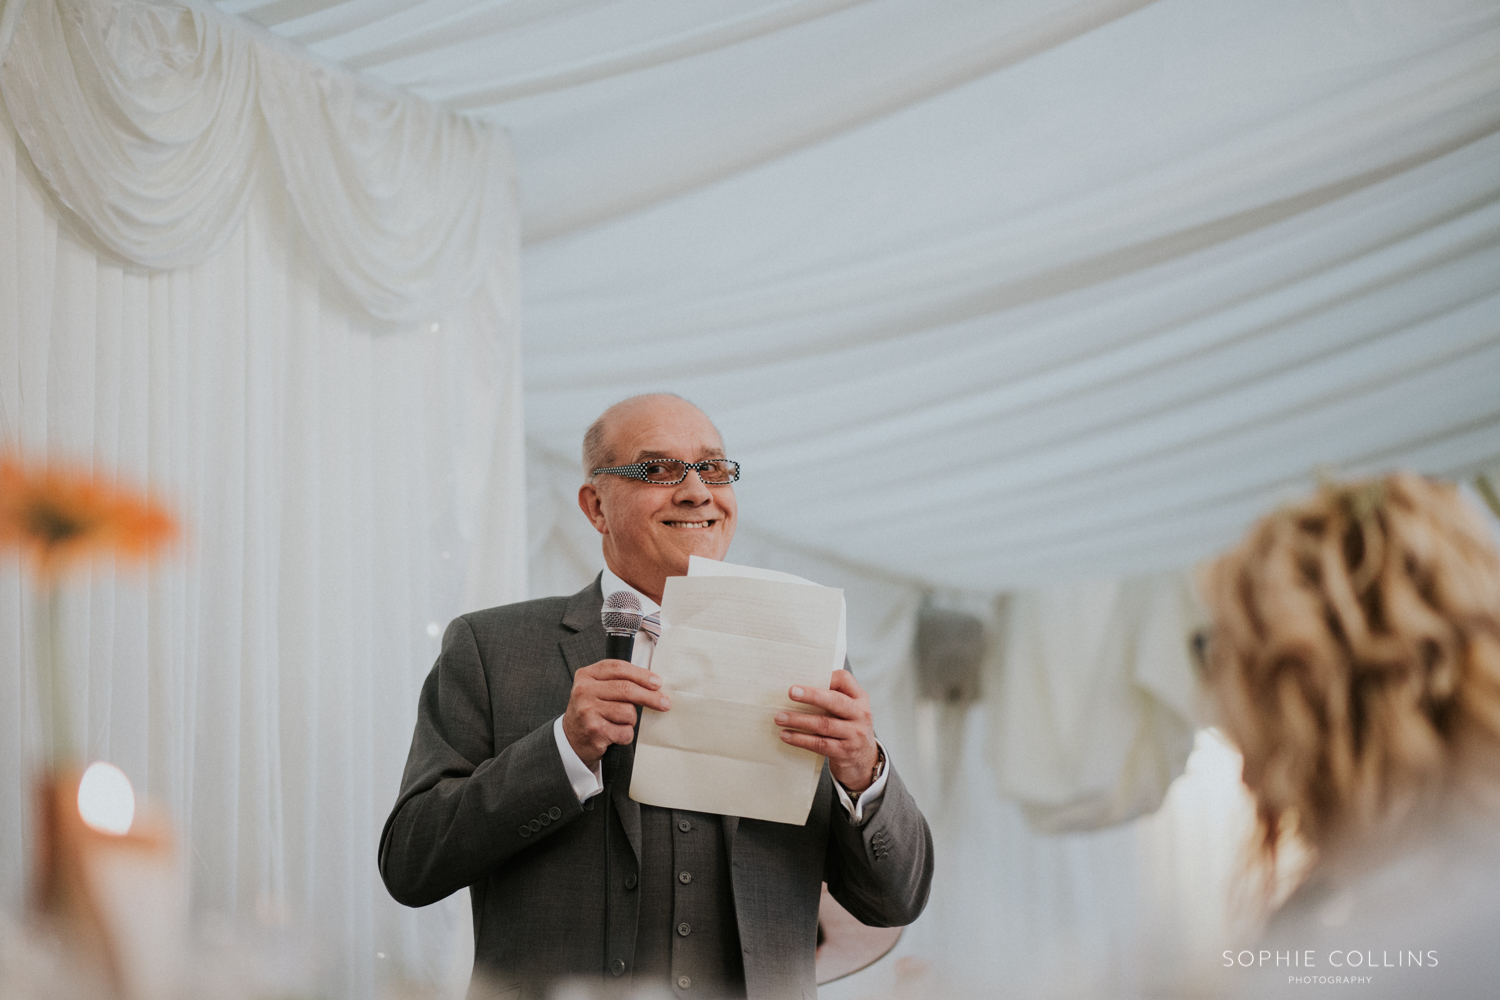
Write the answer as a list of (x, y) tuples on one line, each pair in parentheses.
[(60, 747)]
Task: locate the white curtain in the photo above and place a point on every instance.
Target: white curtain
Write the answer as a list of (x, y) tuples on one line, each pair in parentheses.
[(1091, 698), (347, 484)]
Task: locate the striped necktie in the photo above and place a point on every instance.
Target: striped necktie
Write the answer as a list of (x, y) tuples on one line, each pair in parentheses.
[(651, 625)]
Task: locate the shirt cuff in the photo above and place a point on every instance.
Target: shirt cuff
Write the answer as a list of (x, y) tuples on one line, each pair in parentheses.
[(586, 781), (868, 799)]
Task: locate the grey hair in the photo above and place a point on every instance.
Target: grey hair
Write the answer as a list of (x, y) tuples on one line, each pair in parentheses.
[(596, 454), (596, 451)]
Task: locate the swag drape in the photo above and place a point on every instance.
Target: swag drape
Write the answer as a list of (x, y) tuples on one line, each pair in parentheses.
[(152, 124)]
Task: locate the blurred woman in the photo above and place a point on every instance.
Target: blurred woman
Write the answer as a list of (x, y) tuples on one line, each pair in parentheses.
[(1354, 658)]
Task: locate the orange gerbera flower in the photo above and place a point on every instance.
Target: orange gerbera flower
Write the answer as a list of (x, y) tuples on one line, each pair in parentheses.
[(59, 515)]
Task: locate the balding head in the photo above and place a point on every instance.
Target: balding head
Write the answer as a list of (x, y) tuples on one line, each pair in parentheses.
[(598, 448), (650, 529)]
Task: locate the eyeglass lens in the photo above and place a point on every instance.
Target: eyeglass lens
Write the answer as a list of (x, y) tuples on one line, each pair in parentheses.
[(669, 470)]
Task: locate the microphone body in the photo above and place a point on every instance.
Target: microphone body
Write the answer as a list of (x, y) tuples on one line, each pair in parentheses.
[(621, 617), (619, 646)]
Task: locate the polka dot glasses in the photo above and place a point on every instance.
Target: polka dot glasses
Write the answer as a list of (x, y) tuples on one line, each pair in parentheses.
[(670, 471)]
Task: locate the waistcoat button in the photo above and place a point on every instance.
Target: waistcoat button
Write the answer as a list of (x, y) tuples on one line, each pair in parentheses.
[(617, 967), (684, 877), (683, 982), (684, 929), (684, 826), (630, 881)]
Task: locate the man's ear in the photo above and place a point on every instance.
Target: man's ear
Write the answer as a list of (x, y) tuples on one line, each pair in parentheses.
[(592, 506)]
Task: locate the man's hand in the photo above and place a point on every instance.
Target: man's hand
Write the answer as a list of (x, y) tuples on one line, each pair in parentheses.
[(601, 709), (846, 735)]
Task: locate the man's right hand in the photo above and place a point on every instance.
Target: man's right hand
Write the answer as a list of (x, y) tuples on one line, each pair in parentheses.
[(601, 709)]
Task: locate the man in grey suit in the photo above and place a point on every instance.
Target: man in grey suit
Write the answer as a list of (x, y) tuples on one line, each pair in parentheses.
[(512, 788)]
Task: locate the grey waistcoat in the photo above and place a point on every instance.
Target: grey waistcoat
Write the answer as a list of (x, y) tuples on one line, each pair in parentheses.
[(685, 935)]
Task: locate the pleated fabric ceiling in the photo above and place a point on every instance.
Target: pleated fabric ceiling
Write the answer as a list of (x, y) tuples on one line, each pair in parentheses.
[(994, 294)]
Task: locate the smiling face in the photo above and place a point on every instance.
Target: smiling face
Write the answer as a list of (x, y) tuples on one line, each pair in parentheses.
[(650, 530)]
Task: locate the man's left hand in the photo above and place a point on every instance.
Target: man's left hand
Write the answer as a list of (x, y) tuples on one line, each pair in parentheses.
[(846, 735)]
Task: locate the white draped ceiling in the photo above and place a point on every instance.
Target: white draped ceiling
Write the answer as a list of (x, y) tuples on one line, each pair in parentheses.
[(990, 295)]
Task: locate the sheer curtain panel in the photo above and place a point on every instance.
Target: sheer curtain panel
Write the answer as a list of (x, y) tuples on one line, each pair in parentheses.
[(176, 310)]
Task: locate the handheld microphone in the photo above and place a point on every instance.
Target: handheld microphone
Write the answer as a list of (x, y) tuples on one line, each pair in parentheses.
[(621, 616)]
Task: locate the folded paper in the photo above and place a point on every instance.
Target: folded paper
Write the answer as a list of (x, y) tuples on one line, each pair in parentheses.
[(734, 640)]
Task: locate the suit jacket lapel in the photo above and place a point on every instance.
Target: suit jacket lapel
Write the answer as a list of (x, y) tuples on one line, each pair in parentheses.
[(582, 648), (581, 617)]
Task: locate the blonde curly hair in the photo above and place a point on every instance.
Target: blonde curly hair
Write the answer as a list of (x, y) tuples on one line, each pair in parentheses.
[(1354, 658)]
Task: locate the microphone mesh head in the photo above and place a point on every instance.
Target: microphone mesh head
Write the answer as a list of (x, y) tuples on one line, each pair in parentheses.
[(621, 613)]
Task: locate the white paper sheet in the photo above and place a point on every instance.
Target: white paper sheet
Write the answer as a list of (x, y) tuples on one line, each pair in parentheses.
[(734, 639)]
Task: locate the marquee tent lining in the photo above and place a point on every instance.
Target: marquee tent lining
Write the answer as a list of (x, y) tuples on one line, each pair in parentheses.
[(985, 296)]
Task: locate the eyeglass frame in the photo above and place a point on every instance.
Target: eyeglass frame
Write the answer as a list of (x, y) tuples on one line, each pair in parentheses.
[(637, 471)]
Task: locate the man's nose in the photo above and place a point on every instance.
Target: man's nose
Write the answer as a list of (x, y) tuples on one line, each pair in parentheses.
[(692, 490)]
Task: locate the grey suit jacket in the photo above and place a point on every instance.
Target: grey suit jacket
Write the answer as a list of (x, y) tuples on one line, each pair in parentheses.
[(485, 803)]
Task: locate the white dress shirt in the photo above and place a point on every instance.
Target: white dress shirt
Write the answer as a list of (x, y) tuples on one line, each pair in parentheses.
[(589, 781)]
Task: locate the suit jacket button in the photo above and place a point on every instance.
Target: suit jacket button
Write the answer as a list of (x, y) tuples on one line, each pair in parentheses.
[(617, 967), (684, 929), (555, 812), (525, 831), (535, 825), (683, 982), (630, 881), (684, 826), (684, 877), (544, 819)]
